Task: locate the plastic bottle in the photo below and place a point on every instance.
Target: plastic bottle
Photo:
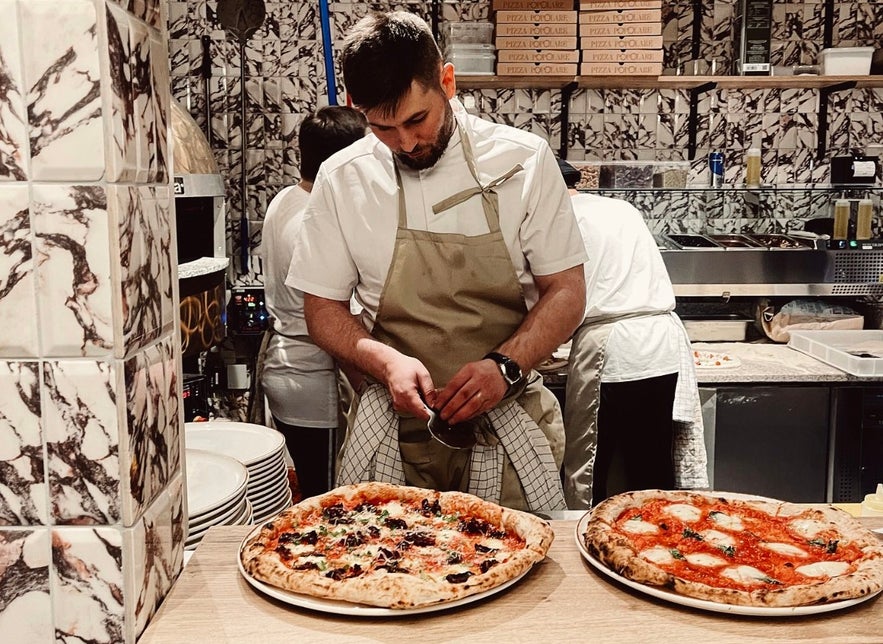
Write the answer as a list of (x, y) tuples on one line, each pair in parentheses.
[(752, 168), (872, 506), (841, 219), (864, 219)]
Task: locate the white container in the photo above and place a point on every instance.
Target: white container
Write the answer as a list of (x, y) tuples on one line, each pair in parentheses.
[(472, 59), (722, 329), (846, 61), (857, 352), (454, 33)]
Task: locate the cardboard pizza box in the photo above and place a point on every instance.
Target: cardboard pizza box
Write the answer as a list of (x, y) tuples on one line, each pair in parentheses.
[(536, 69), (631, 29), (603, 5), (621, 69), (621, 42), (536, 17), (532, 5), (536, 42), (620, 17), (532, 29), (537, 56), (622, 56)]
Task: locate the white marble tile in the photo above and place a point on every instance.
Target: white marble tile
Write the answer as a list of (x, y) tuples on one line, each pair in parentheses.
[(74, 289), (142, 103), (82, 426), (159, 77), (13, 108), (22, 471), (25, 604), (62, 76), (17, 295), (88, 586), (121, 146)]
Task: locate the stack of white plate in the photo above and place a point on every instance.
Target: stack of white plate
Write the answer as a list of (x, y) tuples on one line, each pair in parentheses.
[(217, 488), (260, 449)]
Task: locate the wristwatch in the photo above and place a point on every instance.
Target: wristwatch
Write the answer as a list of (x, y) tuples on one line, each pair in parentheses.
[(509, 368)]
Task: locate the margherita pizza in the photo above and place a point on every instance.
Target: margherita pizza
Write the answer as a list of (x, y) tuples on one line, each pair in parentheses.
[(394, 546), (742, 552)]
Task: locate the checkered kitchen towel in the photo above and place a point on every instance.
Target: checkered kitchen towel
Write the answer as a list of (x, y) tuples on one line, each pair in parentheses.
[(689, 454), (372, 452)]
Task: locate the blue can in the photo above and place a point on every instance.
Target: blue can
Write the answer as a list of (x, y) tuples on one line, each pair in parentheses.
[(716, 169)]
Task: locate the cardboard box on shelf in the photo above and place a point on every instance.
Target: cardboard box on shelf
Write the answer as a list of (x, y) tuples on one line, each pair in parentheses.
[(619, 29), (537, 42), (536, 69), (622, 56), (621, 42), (536, 17), (620, 17), (537, 56), (602, 5), (621, 69), (531, 29), (549, 5)]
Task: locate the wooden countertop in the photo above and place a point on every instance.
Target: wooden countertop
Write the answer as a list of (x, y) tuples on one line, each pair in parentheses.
[(562, 599)]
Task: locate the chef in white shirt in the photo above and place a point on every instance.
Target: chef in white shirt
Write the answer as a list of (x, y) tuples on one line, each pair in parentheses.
[(457, 237), (625, 360), (299, 379)]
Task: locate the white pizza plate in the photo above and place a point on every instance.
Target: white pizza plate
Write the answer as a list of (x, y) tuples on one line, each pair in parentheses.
[(731, 363), (267, 467), (704, 604), (213, 480), (248, 443), (358, 610)]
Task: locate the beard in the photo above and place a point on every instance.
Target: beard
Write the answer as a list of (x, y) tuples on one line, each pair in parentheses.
[(425, 157)]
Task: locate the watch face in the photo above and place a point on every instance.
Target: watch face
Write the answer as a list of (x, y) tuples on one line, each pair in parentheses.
[(512, 371)]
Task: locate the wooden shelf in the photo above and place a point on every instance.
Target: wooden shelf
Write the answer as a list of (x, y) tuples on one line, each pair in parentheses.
[(663, 82)]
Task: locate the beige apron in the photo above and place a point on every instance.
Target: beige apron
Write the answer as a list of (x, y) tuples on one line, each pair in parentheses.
[(448, 300)]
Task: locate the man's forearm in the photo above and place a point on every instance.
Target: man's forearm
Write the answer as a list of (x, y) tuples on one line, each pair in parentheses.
[(559, 310), (341, 334)]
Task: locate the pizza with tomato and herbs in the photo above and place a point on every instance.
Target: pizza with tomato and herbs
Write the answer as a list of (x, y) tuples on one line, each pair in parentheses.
[(733, 551), (394, 546)]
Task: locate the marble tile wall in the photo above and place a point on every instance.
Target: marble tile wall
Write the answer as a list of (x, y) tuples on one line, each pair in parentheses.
[(91, 482), (285, 79)]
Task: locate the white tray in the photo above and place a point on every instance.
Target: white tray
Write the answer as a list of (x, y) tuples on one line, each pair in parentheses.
[(859, 353)]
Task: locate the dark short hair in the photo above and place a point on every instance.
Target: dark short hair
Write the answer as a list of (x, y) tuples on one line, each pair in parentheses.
[(383, 54), (328, 130), (571, 175)]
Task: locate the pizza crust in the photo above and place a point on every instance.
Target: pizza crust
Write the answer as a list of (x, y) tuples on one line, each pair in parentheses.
[(380, 587), (617, 552)]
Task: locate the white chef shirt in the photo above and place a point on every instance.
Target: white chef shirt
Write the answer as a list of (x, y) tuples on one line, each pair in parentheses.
[(350, 222), (299, 378), (625, 275)]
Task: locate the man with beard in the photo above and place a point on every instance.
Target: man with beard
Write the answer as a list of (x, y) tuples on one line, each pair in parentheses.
[(457, 237)]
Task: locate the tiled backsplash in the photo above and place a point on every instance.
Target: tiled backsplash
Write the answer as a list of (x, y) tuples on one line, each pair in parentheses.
[(285, 80), (92, 513)]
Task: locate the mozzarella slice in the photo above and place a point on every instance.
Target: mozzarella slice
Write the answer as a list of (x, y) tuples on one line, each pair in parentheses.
[(657, 554), (807, 527), (727, 522), (684, 512), (745, 575), (717, 538), (705, 560), (394, 509), (638, 526), (824, 569), (785, 549)]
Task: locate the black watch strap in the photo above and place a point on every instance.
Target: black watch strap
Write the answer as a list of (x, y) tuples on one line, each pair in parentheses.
[(511, 371)]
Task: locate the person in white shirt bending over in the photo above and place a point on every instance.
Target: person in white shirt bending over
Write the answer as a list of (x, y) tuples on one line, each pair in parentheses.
[(300, 379), (624, 360)]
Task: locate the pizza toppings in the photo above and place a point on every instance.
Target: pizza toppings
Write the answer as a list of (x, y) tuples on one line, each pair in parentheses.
[(751, 553)]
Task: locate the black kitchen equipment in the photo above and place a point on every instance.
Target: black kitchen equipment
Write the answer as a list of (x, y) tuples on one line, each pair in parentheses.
[(854, 170), (242, 19)]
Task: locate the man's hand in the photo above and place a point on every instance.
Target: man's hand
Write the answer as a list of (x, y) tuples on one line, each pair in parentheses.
[(476, 388), (409, 383)]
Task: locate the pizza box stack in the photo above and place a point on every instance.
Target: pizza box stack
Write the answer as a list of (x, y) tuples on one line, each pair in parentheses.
[(536, 37), (620, 37)]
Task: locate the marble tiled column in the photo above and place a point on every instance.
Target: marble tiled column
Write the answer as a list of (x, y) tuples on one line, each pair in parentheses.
[(92, 513)]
